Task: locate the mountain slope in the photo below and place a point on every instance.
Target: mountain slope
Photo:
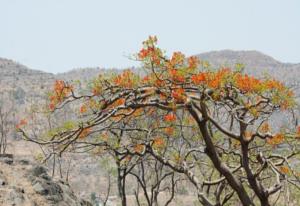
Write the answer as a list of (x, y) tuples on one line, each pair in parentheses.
[(25, 184)]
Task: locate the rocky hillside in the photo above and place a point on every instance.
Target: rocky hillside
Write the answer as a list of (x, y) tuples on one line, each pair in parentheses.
[(23, 183)]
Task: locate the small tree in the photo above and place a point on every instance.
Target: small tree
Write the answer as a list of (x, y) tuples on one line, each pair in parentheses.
[(6, 125), (226, 143)]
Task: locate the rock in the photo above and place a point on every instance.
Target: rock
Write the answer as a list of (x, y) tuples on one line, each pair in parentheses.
[(2, 182), (41, 189), (7, 158), (10, 156), (38, 187), (38, 170), (24, 162), (16, 197), (85, 203), (45, 176)]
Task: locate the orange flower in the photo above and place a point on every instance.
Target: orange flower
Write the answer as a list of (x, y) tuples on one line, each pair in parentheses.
[(84, 133), (284, 169), (177, 58), (51, 106), (159, 143), (126, 79), (96, 91), (61, 90), (170, 117), (169, 130), (83, 109), (298, 132), (273, 84), (22, 122), (176, 75), (117, 103), (59, 86), (265, 127), (159, 83), (104, 137), (215, 83), (198, 78), (247, 84), (276, 139), (139, 148), (120, 101), (193, 62), (179, 95), (248, 135), (146, 79), (143, 53)]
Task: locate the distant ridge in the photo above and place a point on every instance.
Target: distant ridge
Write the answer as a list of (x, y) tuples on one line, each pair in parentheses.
[(256, 63), (10, 67), (251, 58)]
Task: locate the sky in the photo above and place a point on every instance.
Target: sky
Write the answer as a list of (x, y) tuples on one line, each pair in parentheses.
[(60, 35)]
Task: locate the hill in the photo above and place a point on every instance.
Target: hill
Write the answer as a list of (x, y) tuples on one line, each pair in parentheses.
[(25, 184)]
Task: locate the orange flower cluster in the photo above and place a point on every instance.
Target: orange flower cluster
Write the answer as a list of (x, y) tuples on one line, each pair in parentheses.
[(265, 127), (117, 103), (159, 83), (170, 117), (199, 78), (144, 53), (159, 143), (22, 123), (177, 76), (83, 108), (146, 79), (125, 80), (104, 137), (179, 95), (273, 84), (177, 58), (139, 148), (248, 135), (298, 132), (246, 83), (61, 90), (276, 139), (215, 79), (193, 62), (84, 133), (150, 51), (169, 130), (284, 169)]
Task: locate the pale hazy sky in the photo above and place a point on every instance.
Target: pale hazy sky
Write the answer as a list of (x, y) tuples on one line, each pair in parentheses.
[(58, 35)]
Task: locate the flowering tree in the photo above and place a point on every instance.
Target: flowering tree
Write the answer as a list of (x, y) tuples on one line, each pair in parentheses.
[(214, 126)]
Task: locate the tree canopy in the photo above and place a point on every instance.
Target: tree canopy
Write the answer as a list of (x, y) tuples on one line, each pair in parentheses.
[(212, 125)]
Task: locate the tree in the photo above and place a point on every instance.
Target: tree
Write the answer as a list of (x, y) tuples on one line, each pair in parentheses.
[(212, 125), (6, 125)]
